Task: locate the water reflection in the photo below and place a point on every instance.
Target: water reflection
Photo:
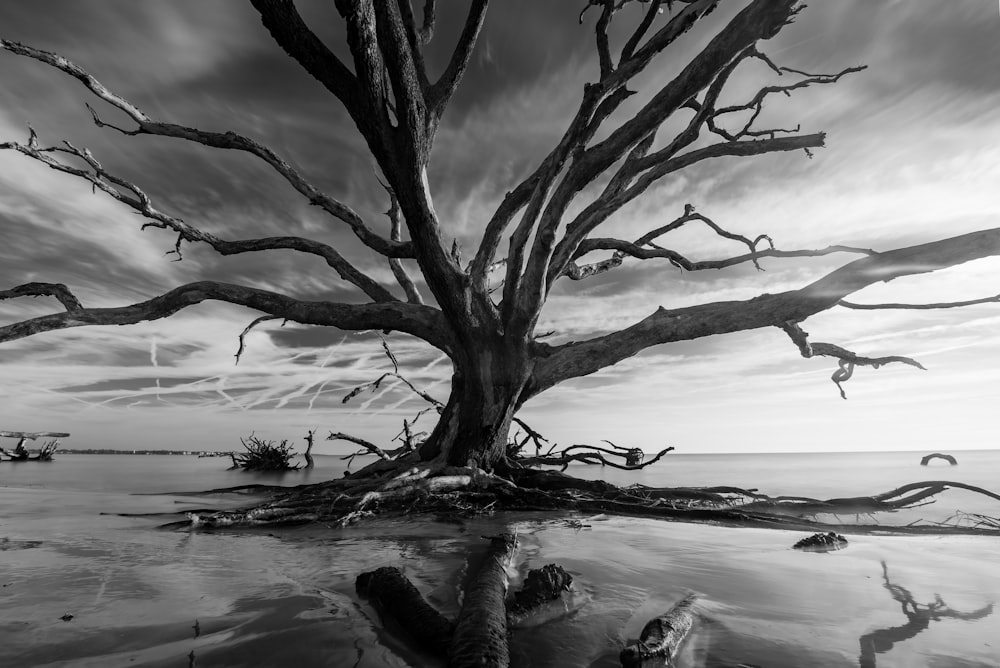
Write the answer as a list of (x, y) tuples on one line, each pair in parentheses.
[(918, 618)]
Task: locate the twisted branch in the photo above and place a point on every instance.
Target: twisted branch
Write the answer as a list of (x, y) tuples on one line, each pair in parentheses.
[(847, 359)]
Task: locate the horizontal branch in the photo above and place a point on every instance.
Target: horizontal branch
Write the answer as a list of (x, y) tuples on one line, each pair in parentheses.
[(625, 249), (424, 322), (878, 307), (571, 360)]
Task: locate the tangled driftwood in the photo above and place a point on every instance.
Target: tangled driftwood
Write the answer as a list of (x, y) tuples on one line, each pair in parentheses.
[(21, 454)]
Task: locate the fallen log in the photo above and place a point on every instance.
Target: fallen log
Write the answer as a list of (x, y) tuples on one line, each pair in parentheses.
[(661, 637), (394, 596), (480, 637)]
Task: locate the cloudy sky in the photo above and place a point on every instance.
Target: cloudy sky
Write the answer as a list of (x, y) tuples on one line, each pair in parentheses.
[(913, 155)]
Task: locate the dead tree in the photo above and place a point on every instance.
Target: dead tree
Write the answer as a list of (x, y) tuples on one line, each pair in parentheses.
[(550, 221)]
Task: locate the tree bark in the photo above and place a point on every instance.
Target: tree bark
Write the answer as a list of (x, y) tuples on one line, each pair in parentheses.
[(486, 391)]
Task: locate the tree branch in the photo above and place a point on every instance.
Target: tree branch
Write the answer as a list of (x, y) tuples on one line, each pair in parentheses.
[(57, 290), (117, 187), (445, 86), (653, 168), (395, 233), (643, 248), (848, 360), (223, 140), (424, 322), (575, 359), (414, 36), (625, 249), (873, 307), (762, 19), (243, 334)]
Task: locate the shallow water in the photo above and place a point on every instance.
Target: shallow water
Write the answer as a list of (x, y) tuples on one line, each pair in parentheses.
[(287, 597)]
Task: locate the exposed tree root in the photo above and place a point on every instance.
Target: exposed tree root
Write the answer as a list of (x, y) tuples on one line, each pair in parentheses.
[(402, 489), (592, 454)]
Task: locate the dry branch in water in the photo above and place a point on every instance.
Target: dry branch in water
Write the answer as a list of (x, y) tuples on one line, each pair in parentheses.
[(264, 455)]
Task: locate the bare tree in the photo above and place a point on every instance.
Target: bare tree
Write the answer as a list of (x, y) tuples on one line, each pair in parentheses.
[(605, 159)]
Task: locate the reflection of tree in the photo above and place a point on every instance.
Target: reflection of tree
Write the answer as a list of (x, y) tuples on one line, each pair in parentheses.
[(918, 618)]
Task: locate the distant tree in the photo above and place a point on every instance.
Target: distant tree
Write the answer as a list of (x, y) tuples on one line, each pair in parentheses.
[(548, 222)]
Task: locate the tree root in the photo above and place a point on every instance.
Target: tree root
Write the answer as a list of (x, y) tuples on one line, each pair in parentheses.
[(466, 492)]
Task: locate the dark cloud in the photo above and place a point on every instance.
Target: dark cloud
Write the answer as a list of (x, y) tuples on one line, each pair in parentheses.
[(954, 46)]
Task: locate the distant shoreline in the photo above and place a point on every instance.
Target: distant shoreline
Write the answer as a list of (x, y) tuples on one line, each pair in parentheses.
[(109, 451)]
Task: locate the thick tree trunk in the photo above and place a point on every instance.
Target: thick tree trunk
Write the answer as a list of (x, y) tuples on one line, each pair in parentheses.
[(486, 391)]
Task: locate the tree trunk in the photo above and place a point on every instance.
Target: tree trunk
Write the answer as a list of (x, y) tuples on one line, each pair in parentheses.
[(485, 393)]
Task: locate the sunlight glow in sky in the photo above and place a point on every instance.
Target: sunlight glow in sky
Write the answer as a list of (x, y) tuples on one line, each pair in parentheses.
[(913, 155)]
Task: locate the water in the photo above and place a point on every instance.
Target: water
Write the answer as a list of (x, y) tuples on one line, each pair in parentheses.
[(287, 597)]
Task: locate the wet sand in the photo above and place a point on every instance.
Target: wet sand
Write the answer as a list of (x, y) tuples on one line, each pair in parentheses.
[(287, 597)]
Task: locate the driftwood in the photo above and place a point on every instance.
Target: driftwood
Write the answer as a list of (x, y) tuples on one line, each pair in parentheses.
[(821, 542), (394, 596), (480, 638), (634, 458), (541, 586), (21, 454), (926, 459), (661, 637)]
